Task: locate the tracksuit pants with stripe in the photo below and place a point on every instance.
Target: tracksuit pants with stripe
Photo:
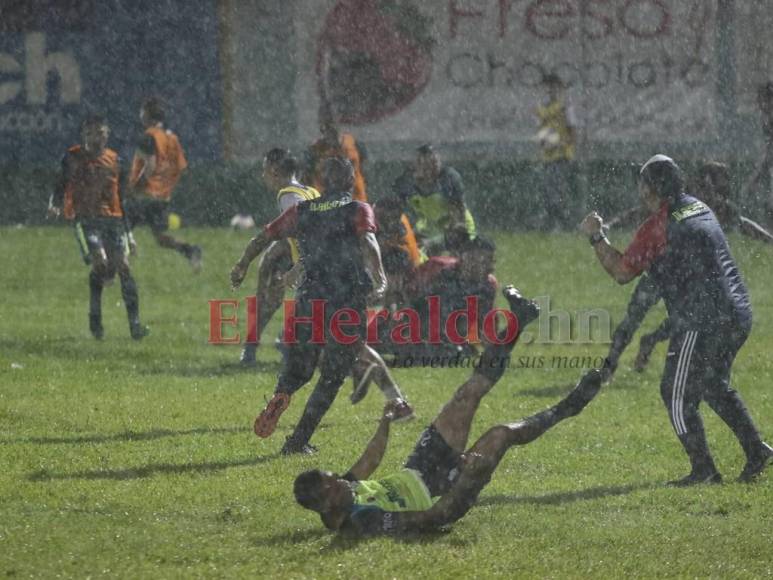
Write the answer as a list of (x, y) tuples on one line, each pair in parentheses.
[(697, 369)]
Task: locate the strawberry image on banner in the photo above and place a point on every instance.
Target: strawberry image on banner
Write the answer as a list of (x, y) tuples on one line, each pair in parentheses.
[(373, 58)]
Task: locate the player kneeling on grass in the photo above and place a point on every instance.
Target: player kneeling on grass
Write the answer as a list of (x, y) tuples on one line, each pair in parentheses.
[(88, 193), (440, 482)]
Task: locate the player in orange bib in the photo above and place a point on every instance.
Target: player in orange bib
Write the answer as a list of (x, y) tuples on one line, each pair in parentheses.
[(158, 164), (88, 193), (333, 143)]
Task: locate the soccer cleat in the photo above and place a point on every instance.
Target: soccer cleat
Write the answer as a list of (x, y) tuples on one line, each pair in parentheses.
[(713, 477), (196, 259), (247, 357), (403, 412), (266, 422), (362, 379), (755, 466), (524, 309), (646, 346), (292, 448), (582, 394), (138, 331), (95, 326)]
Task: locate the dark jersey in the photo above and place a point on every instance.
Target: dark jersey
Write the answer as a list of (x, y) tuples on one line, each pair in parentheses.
[(697, 275), (328, 231)]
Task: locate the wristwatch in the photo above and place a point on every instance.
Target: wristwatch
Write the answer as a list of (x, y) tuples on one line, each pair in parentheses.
[(597, 237)]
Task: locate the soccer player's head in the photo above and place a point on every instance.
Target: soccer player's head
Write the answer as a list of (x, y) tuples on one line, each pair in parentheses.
[(428, 164), (553, 84), (660, 179), (152, 111), (337, 175), (318, 490), (279, 168), (713, 182), (94, 133), (476, 258)]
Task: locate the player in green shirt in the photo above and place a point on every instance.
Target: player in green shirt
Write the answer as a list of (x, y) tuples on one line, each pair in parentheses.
[(440, 482)]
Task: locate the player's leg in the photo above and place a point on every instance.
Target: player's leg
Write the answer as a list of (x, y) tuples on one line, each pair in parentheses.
[(371, 367), (455, 418), (274, 263), (336, 364), (157, 215), (682, 388), (482, 459), (92, 238), (118, 262), (728, 404), (297, 369)]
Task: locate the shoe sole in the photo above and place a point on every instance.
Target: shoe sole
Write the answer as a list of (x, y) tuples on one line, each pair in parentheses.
[(265, 423)]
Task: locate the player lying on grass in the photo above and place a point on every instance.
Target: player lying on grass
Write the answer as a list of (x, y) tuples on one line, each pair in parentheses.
[(440, 482)]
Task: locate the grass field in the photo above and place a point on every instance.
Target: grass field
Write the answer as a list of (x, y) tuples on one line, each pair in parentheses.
[(137, 460)]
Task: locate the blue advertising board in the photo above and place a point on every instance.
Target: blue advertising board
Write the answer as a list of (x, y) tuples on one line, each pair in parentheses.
[(60, 61)]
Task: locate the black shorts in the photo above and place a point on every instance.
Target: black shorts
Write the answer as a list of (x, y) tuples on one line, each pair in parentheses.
[(98, 234), (150, 212), (434, 459)]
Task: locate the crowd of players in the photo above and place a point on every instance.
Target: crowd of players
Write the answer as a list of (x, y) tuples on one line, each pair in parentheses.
[(328, 244)]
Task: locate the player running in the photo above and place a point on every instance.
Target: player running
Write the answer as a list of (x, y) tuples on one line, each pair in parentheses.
[(158, 164), (439, 482), (342, 268), (684, 249), (88, 193)]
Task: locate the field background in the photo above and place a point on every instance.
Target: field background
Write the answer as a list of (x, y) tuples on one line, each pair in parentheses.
[(137, 460)]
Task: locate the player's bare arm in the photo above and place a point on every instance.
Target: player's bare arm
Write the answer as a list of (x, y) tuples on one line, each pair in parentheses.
[(254, 248), (374, 452), (148, 161), (611, 259)]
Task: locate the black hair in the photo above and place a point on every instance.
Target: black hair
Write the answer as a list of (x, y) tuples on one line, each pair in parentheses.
[(338, 175), (307, 489), (154, 109), (663, 175), (283, 160), (425, 149), (719, 174), (552, 79), (93, 120), (477, 244)]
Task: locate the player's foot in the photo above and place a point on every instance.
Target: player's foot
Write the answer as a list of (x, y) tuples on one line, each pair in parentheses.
[(581, 395), (266, 422), (196, 259), (403, 412), (247, 357), (292, 448), (524, 309), (697, 479), (757, 464), (95, 326), (362, 375), (646, 346), (138, 331)]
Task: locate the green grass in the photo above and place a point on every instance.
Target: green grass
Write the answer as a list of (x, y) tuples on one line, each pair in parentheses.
[(137, 459)]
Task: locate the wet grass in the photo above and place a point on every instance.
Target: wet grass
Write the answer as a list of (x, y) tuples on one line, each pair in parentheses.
[(137, 459)]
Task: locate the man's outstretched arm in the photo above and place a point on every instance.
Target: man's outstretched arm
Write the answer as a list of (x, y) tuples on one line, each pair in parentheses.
[(754, 230), (611, 259), (374, 452)]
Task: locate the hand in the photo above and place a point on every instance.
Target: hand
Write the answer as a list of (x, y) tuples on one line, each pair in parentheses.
[(376, 295), (592, 224), (132, 245), (237, 275), (53, 212)]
